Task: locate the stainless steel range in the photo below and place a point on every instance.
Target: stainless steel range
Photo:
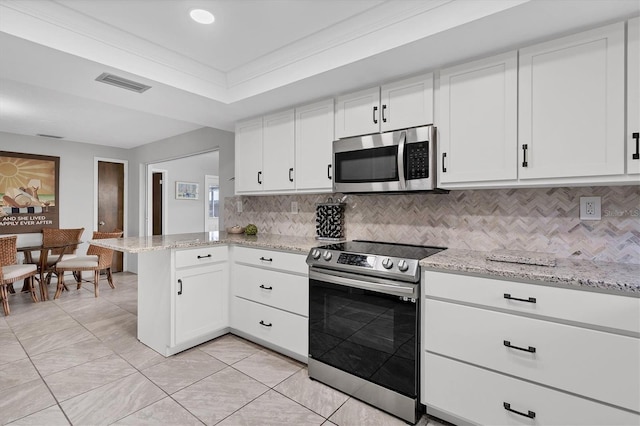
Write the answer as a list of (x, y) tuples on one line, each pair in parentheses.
[(364, 316)]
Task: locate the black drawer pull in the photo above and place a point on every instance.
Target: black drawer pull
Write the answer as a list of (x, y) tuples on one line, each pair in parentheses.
[(180, 291), (262, 286), (530, 414), (290, 177), (204, 257), (636, 155), (266, 259), (444, 169), (384, 119), (259, 176), (329, 171), (530, 300), (530, 349), (375, 119), (265, 324), (525, 163)]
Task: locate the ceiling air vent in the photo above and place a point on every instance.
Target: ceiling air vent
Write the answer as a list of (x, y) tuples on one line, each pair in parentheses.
[(123, 83), (49, 136)]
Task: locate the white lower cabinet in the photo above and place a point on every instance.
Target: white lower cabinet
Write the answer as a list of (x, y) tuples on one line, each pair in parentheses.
[(503, 352), (270, 299)]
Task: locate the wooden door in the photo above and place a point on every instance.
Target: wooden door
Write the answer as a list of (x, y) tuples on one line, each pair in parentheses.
[(111, 202), (156, 201)]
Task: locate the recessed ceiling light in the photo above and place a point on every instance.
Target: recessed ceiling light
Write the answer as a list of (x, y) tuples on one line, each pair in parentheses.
[(202, 16)]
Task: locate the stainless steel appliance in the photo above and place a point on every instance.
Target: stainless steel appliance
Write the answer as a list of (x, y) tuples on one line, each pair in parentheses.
[(364, 315), (403, 160)]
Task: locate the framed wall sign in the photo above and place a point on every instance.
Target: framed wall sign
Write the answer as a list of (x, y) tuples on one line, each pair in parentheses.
[(29, 187), (186, 190)]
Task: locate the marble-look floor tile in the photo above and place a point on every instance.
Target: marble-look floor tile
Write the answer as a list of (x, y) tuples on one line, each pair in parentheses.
[(357, 412), (12, 352), (113, 327), (164, 412), (314, 395), (52, 416), (328, 423), (111, 402), (274, 409), (68, 383), (140, 355), (183, 370), (229, 348), (25, 399), (230, 390), (59, 322), (17, 373), (58, 339), (60, 359), (268, 368)]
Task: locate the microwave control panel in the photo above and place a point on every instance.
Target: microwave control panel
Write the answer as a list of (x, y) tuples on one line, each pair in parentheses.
[(417, 160)]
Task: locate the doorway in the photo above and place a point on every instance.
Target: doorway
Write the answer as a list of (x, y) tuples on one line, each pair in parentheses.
[(212, 203), (110, 201), (157, 204)]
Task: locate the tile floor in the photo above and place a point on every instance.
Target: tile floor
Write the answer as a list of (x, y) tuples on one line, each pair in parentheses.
[(77, 361)]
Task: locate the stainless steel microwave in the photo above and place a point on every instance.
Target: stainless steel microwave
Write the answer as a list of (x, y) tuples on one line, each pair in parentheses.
[(398, 161)]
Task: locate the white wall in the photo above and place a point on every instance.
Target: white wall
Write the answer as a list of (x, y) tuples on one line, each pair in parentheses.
[(76, 178), (185, 216)]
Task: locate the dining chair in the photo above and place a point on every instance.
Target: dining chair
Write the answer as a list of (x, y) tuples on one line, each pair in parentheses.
[(11, 271), (96, 260), (63, 244)]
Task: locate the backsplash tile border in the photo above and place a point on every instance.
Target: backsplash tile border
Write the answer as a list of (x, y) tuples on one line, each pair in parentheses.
[(530, 219)]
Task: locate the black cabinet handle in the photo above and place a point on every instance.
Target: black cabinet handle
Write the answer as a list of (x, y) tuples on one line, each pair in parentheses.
[(375, 119), (262, 286), (530, 349), (636, 136), (524, 155), (444, 169), (384, 120), (529, 300), (180, 291), (265, 324), (329, 171), (290, 177), (266, 259), (259, 175), (529, 413), (204, 257)]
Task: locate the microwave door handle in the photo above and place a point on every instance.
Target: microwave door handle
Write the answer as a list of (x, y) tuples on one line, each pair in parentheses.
[(401, 145)]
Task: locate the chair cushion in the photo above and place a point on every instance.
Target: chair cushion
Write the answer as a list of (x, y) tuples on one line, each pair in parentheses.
[(79, 262), (11, 272), (51, 258)]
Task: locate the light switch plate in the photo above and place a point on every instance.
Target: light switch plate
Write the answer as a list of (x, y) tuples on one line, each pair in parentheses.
[(294, 207), (239, 206), (590, 208)]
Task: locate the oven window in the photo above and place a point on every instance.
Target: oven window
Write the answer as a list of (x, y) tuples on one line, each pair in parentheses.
[(365, 333), (367, 165)]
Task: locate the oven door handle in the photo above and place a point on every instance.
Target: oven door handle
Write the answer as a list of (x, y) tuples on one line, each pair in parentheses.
[(396, 289)]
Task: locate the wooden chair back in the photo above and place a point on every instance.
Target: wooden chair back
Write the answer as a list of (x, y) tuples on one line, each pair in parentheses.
[(105, 255), (8, 250), (54, 237)]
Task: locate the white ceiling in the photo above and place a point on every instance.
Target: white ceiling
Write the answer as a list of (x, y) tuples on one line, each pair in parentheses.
[(259, 55)]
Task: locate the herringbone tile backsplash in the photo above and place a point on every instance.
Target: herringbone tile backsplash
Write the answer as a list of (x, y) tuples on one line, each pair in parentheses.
[(543, 220)]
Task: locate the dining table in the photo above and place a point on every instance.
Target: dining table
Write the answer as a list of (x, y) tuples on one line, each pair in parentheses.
[(43, 268)]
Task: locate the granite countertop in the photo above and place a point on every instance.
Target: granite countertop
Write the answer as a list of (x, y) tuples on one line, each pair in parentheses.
[(163, 242), (608, 276)]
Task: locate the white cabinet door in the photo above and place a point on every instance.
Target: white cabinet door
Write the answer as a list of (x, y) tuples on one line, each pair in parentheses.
[(633, 96), (201, 301), (358, 113), (314, 138), (407, 103), (478, 122), (278, 151), (248, 152), (571, 106)]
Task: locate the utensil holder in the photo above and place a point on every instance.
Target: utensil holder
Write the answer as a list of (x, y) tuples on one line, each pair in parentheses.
[(330, 221)]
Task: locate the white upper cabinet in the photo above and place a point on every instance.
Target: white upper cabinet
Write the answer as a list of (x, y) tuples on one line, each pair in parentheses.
[(248, 156), (314, 139), (278, 151), (633, 96), (477, 121), (399, 105), (571, 106)]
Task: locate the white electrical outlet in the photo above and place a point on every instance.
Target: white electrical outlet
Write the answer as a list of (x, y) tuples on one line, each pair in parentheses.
[(590, 208), (294, 207), (239, 206)]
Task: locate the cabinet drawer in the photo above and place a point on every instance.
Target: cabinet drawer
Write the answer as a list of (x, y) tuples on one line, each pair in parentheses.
[(478, 396), (273, 288), (201, 256), (599, 365), (283, 329), (289, 262), (603, 310)]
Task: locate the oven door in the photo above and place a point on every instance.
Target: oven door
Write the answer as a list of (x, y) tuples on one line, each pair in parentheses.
[(366, 328)]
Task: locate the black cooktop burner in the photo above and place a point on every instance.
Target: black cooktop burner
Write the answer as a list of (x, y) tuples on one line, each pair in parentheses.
[(402, 251)]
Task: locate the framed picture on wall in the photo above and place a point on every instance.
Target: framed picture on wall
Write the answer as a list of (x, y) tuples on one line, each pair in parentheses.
[(29, 192), (186, 190)]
